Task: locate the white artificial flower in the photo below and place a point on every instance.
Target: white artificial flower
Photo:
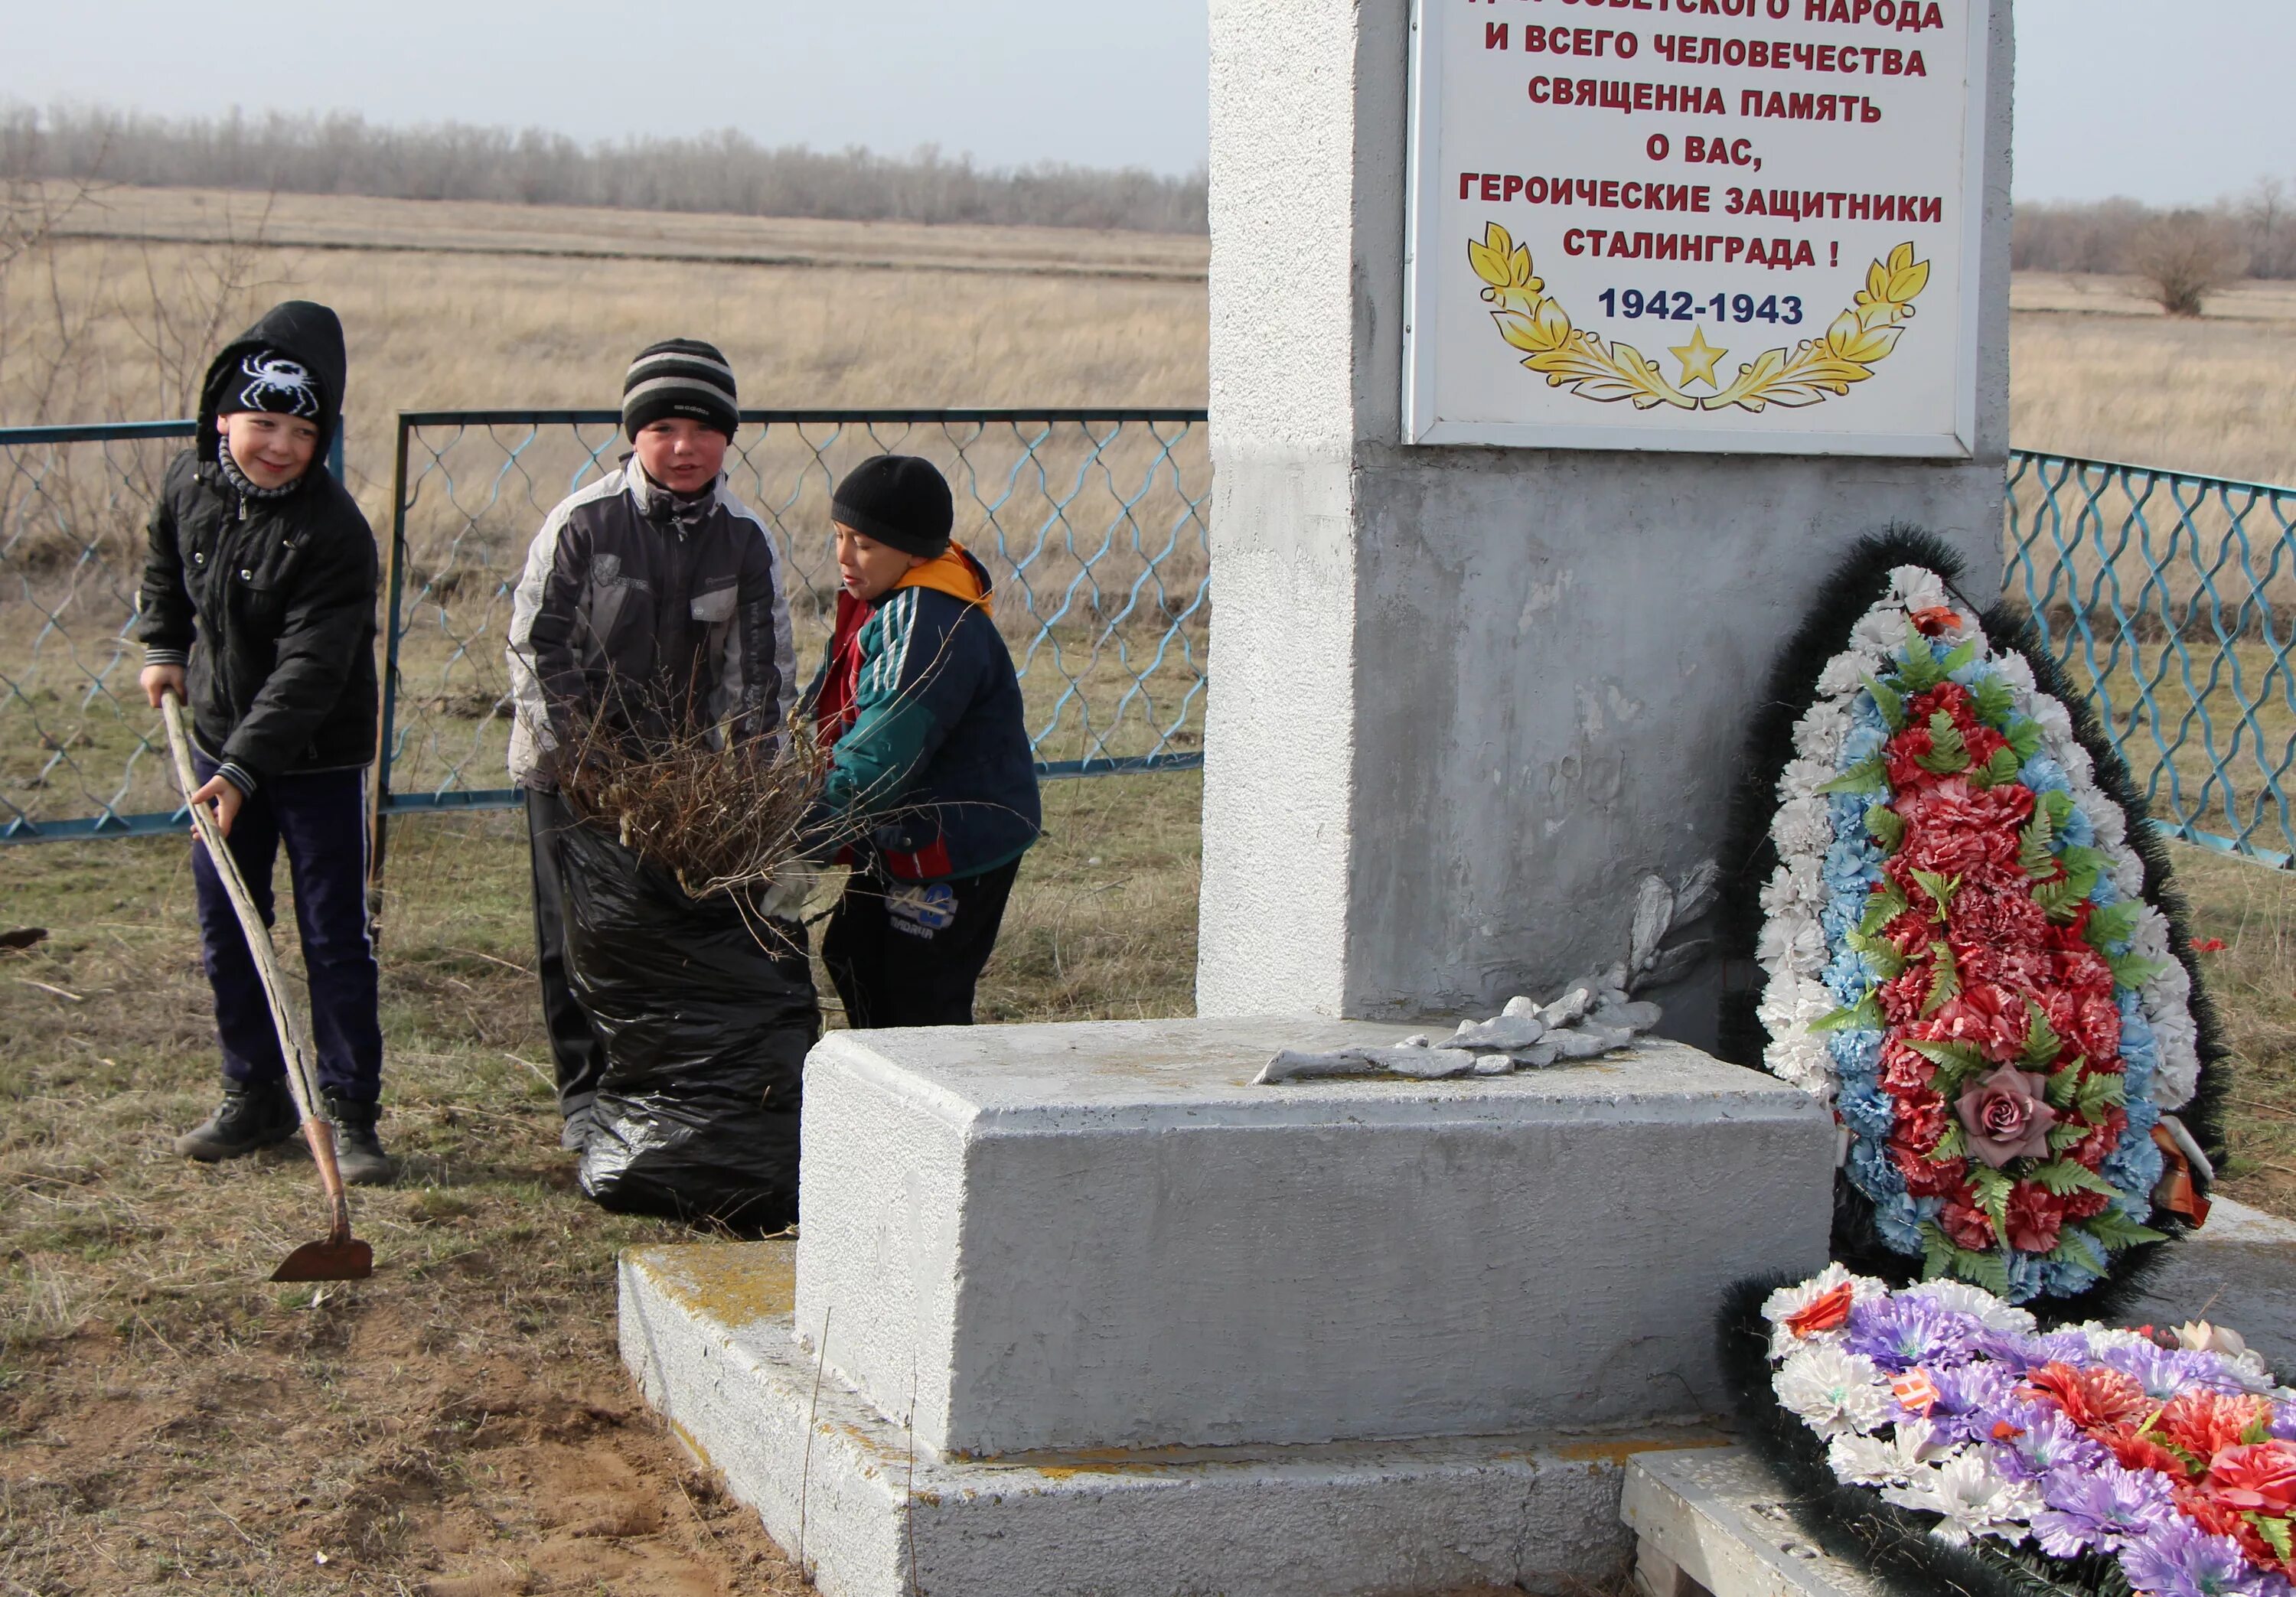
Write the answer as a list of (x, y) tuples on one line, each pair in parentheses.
[(2178, 1078), (1834, 1391), (1802, 826), (1973, 1497), (1798, 941), (2103, 1338), (2056, 726), (1843, 675), (1892, 1460), (1820, 732), (1976, 1302), (1879, 631), (1788, 1301), (2149, 939), (2108, 820), (1802, 778), (1917, 587), (2017, 671)]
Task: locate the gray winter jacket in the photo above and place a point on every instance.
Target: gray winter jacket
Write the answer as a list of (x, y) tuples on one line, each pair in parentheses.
[(663, 617)]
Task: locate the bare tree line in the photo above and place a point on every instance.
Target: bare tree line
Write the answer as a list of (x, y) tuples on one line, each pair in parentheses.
[(2182, 255), (724, 173)]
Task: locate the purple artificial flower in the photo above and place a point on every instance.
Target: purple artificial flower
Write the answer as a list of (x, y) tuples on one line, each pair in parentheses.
[(2283, 1423), (2180, 1559), (1900, 1332), (2103, 1507), (2048, 1444), (1971, 1400), (2164, 1373), (2020, 1351)]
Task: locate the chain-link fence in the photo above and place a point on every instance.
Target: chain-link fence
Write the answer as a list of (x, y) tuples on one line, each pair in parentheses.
[(2170, 598), (1091, 524)]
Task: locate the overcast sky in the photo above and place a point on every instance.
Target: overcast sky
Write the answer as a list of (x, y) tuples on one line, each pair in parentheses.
[(2165, 103)]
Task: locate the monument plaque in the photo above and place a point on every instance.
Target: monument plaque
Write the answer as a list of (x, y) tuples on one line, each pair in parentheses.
[(1726, 225)]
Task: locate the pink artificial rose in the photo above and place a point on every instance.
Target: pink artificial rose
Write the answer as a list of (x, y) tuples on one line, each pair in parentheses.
[(2005, 1118)]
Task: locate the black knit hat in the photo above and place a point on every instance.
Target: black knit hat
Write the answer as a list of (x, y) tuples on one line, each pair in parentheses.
[(268, 380), (680, 377), (897, 499)]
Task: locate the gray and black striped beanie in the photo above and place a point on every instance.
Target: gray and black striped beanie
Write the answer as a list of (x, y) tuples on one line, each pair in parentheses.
[(680, 377)]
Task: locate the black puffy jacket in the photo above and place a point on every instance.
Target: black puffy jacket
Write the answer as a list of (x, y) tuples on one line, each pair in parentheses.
[(269, 604)]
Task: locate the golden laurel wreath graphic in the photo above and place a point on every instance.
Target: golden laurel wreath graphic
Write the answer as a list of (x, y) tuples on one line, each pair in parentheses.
[(1808, 374)]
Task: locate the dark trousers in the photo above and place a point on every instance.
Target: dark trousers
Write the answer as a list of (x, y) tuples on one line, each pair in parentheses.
[(322, 819), (574, 1046), (909, 954)]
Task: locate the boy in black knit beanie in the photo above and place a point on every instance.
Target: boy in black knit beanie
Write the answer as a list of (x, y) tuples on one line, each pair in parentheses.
[(930, 769)]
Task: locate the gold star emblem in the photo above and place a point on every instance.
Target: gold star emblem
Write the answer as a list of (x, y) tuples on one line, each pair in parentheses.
[(1698, 358)]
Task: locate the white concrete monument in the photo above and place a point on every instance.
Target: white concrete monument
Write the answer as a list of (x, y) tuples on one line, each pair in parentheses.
[(1465, 696), (1103, 1308)]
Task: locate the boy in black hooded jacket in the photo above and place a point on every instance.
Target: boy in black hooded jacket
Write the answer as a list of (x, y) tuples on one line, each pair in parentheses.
[(258, 608)]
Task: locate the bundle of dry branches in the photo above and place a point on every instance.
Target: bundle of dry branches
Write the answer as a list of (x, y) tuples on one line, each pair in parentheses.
[(722, 813)]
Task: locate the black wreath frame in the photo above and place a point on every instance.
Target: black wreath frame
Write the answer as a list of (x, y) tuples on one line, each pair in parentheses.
[(1748, 858)]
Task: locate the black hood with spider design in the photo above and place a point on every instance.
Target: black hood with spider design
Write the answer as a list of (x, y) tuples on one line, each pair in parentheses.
[(300, 330)]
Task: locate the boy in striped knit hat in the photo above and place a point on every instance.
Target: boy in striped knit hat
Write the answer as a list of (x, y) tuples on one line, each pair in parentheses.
[(652, 608)]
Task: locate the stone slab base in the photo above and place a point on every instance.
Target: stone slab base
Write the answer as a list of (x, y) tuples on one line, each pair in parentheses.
[(1716, 1522), (706, 1331)]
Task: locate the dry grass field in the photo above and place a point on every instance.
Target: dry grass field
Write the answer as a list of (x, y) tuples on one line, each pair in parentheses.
[(459, 1426)]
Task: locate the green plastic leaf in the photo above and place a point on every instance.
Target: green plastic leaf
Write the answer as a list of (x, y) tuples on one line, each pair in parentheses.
[(1956, 1063), (1987, 1270), (2060, 806), (1996, 704), (1954, 1144), (2001, 768), (1864, 1015), (1937, 1251), (2276, 1535), (1941, 888), (2064, 1177), (1869, 776), (1880, 953), (1887, 826), (1918, 670), (2042, 1043), (2064, 1134), (2114, 923), (2037, 854), (1960, 657), (1884, 905), (2099, 1091), (2076, 1246), (1992, 1188), (1949, 752), (2064, 1085), (1945, 979), (2115, 1231), (2024, 735), (1890, 703), (2133, 971)]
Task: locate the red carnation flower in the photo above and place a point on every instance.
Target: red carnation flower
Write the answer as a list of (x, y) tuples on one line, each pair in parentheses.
[(2206, 1423), (2035, 1217), (1928, 1179), (1969, 1226), (1950, 697), (1989, 1019), (2092, 1398)]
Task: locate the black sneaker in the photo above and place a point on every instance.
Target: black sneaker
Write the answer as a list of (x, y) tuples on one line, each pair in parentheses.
[(249, 1117), (358, 1152)]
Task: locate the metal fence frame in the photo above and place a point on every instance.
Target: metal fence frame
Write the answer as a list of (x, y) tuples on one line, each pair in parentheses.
[(2150, 585), (2121, 601)]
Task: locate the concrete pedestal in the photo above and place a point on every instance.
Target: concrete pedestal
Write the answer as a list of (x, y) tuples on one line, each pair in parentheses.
[(1101, 1236)]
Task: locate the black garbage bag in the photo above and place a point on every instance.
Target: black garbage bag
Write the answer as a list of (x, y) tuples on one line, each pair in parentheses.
[(704, 1012)]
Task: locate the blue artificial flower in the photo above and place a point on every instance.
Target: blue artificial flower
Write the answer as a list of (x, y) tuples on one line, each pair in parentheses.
[(1857, 1051), (1852, 861), (2024, 1275), (2140, 1054), (1866, 714), (2045, 775), (1867, 1109), (1872, 1172), (2068, 1275), (1864, 742), (2096, 1506), (2103, 894), (2135, 1166), (2078, 830), (1899, 1218), (2180, 1559)]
